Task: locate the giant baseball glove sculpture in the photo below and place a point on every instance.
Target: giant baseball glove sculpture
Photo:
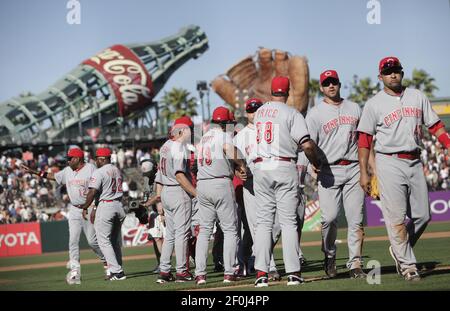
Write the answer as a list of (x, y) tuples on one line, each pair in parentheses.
[(253, 78)]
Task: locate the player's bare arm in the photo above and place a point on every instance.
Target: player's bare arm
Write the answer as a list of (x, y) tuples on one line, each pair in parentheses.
[(152, 201), (89, 198), (310, 149), (438, 130), (234, 154), (185, 183), (364, 145), (371, 163), (43, 174)]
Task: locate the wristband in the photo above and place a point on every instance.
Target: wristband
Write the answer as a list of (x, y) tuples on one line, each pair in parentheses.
[(444, 139)]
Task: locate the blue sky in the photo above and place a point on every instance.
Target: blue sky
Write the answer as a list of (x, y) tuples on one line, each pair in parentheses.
[(38, 46)]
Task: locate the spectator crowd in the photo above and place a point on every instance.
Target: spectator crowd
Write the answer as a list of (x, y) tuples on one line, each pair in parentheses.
[(26, 198)]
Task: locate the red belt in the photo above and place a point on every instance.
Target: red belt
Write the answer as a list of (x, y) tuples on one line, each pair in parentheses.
[(109, 201), (285, 159), (343, 162), (405, 155)]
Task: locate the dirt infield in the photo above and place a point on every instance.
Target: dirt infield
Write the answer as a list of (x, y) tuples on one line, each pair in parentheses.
[(429, 235)]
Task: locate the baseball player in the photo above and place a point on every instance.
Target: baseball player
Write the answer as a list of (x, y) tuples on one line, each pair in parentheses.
[(393, 119), (216, 197), (76, 177), (245, 141), (280, 130), (106, 182), (156, 224), (332, 125), (177, 190)]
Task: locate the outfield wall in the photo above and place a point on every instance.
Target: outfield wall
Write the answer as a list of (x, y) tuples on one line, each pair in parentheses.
[(37, 238)]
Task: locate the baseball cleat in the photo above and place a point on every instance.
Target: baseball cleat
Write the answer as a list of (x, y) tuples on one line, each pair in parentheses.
[(411, 274), (73, 277), (274, 276), (295, 279), (200, 279), (261, 279), (330, 266), (165, 277), (230, 278), (185, 276), (107, 272), (397, 263), (357, 273), (118, 276)]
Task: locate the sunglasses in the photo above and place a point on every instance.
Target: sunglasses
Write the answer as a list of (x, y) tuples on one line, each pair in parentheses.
[(389, 71), (252, 107), (328, 82)]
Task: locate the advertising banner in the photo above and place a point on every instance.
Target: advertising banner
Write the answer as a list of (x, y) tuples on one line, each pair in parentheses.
[(439, 205), (20, 239)]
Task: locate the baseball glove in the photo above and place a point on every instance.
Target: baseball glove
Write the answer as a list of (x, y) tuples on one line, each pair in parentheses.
[(374, 191), (252, 78)]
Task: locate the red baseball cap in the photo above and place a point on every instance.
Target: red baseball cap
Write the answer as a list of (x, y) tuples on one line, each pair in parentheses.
[(183, 122), (75, 153), (252, 104), (328, 74), (280, 85), (103, 152), (222, 115), (389, 62)]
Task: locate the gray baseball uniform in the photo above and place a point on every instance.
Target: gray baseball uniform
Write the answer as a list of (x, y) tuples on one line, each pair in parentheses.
[(280, 129), (77, 183), (333, 128), (245, 141), (216, 198), (396, 123), (176, 203), (110, 214)]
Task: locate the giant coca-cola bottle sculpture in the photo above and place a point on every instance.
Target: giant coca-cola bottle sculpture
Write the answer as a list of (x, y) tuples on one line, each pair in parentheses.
[(118, 83)]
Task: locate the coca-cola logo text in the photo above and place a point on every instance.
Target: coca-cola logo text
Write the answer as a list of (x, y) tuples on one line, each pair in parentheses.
[(127, 75)]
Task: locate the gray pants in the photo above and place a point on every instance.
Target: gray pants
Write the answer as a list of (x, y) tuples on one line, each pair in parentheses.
[(276, 192), (339, 188), (250, 213), (108, 224), (217, 201), (178, 211), (77, 224), (403, 192)]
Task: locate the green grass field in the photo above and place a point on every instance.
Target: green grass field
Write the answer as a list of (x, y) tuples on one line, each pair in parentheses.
[(433, 254)]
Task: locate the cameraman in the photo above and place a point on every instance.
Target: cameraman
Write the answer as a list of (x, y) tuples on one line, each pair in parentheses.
[(156, 223)]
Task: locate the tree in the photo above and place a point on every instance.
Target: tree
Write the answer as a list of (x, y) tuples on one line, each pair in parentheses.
[(177, 103), (362, 89), (314, 89), (421, 80)]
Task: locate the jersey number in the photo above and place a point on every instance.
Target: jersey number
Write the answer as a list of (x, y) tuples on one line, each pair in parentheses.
[(268, 132), (206, 151), (116, 185)]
